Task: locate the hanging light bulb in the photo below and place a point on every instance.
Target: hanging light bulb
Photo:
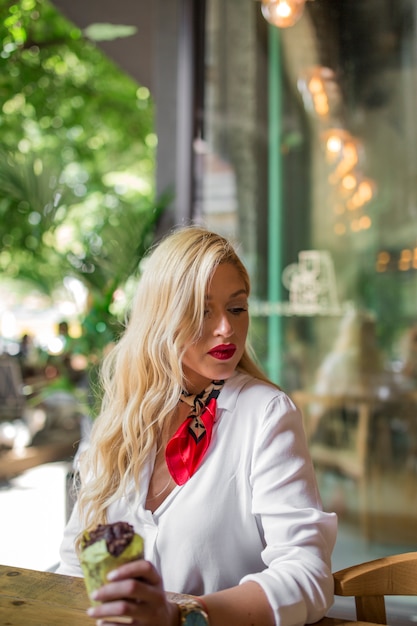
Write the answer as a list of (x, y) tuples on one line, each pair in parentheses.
[(282, 13)]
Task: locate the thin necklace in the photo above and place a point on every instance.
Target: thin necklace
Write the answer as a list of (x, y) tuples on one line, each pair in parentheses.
[(160, 492)]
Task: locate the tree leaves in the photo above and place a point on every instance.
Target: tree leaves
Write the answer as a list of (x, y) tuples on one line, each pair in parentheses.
[(77, 156)]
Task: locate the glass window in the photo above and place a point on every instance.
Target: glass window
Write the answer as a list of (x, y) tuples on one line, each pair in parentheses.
[(309, 161)]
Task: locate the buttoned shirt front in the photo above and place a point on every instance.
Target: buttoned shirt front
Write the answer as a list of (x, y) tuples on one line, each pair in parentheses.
[(252, 511)]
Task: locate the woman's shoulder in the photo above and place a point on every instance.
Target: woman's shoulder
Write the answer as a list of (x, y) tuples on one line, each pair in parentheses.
[(246, 390), (261, 408)]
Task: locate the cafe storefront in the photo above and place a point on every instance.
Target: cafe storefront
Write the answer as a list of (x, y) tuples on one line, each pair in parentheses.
[(304, 152)]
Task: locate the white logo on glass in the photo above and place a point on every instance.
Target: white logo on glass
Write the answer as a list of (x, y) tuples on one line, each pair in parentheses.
[(312, 288)]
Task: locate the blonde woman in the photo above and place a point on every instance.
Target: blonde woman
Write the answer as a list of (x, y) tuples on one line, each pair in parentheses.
[(204, 457)]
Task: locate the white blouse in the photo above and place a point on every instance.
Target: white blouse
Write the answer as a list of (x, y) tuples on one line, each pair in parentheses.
[(252, 511)]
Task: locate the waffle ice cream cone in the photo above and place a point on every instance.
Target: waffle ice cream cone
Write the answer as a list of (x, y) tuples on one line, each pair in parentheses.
[(105, 548)]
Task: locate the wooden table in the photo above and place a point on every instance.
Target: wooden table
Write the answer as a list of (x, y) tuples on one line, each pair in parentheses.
[(32, 598)]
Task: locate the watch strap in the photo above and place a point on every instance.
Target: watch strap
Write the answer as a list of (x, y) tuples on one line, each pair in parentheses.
[(192, 613)]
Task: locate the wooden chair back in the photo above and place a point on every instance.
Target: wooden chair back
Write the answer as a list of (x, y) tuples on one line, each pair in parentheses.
[(350, 455), (370, 582)]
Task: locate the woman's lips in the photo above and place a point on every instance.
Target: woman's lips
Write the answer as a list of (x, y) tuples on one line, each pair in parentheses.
[(223, 352)]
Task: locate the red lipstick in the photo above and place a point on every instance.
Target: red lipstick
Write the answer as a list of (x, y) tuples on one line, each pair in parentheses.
[(223, 351)]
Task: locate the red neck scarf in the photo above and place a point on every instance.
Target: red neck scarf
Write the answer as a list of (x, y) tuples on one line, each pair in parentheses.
[(186, 448)]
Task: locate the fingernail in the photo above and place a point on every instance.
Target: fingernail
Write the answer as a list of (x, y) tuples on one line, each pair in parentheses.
[(93, 595), (112, 575)]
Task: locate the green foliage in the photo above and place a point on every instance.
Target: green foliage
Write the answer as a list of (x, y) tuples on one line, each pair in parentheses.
[(77, 159)]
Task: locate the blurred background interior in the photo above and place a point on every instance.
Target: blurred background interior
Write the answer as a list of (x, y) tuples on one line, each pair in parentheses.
[(288, 126)]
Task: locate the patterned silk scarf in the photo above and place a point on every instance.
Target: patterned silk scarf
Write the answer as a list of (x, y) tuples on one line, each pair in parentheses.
[(187, 447)]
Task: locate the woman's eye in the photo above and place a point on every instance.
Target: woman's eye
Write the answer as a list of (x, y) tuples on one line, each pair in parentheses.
[(237, 310)]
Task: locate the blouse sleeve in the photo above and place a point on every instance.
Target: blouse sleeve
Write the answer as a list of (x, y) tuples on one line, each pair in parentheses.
[(69, 563), (299, 536)]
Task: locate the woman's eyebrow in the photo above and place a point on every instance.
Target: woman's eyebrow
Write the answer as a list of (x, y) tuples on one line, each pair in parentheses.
[(241, 292)]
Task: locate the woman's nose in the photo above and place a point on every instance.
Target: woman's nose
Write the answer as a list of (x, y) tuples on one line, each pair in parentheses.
[(223, 326)]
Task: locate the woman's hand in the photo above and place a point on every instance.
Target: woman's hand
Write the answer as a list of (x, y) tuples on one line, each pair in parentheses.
[(135, 591)]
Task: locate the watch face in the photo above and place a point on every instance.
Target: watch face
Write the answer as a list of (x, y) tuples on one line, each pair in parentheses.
[(195, 618)]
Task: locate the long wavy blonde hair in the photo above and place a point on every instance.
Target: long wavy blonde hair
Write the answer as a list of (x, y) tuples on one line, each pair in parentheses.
[(142, 376)]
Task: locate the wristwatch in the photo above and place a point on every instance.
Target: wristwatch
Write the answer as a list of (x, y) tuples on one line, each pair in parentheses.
[(192, 613)]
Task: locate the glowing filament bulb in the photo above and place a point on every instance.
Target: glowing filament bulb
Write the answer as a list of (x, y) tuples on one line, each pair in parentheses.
[(334, 144), (349, 182), (282, 13), (315, 85)]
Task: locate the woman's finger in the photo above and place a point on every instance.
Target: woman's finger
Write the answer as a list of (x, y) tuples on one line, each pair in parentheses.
[(135, 613), (120, 620), (130, 588), (118, 608), (136, 569)]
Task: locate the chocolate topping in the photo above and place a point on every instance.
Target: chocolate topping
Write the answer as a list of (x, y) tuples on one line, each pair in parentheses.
[(117, 536)]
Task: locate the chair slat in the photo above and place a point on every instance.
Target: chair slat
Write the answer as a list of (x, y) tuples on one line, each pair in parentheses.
[(370, 582), (371, 609)]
